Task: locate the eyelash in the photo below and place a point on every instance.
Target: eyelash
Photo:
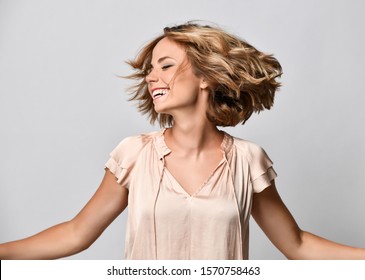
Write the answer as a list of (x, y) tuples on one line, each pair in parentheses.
[(166, 66)]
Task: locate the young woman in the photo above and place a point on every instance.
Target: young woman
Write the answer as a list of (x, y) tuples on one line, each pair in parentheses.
[(190, 188)]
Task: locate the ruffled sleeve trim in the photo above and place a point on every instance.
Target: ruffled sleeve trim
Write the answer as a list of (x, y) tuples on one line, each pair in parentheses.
[(264, 180), (116, 169), (260, 166), (124, 156)]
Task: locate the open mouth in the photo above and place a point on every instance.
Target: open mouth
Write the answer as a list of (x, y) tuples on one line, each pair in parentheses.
[(157, 93)]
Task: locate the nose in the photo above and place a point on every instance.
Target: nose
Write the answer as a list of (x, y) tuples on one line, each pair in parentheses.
[(151, 77)]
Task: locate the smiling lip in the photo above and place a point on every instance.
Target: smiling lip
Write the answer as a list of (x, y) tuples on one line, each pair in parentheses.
[(159, 92), (153, 89)]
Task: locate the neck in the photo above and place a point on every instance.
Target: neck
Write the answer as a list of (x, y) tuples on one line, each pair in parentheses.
[(192, 132), (193, 136)]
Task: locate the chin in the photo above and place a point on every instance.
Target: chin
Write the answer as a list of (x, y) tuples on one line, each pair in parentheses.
[(159, 110), (162, 109)]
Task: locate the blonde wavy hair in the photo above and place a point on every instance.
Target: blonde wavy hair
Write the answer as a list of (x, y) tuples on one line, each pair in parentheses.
[(241, 79)]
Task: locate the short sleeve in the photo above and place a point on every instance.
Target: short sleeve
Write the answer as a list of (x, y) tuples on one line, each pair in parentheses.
[(261, 169), (123, 157)]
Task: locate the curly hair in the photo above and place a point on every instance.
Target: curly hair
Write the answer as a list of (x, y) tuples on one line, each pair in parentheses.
[(241, 79)]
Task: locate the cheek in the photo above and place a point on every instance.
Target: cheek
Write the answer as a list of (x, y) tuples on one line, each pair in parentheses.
[(186, 82), (168, 78)]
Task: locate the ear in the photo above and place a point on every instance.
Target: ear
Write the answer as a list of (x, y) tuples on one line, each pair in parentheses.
[(203, 83)]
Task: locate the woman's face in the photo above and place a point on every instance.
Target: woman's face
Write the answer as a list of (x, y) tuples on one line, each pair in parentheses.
[(171, 81)]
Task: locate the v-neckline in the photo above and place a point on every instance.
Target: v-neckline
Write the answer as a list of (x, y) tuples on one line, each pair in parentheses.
[(164, 150), (198, 189)]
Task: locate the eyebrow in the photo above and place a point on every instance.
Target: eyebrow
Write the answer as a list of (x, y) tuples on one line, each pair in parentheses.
[(163, 58)]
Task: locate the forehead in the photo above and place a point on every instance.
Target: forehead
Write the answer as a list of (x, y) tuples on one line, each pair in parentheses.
[(167, 47)]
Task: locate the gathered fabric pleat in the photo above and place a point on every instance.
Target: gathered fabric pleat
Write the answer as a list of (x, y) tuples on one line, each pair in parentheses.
[(164, 222)]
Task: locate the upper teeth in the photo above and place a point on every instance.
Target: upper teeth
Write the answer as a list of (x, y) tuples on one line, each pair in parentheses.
[(158, 92)]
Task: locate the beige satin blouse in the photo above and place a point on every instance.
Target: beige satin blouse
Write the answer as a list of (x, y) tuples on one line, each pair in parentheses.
[(165, 222)]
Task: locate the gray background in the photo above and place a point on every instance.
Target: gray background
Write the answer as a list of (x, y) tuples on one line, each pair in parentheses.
[(63, 109)]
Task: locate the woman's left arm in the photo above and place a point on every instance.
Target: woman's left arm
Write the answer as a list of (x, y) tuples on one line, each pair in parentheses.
[(276, 221)]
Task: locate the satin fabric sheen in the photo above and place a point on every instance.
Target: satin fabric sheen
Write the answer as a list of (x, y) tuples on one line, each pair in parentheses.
[(165, 222)]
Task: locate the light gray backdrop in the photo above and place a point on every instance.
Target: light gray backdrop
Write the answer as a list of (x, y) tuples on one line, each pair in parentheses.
[(63, 109)]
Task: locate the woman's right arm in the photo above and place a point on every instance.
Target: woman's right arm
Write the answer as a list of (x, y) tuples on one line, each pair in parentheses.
[(78, 234)]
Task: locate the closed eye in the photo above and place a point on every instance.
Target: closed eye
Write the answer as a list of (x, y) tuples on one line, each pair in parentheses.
[(166, 66)]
